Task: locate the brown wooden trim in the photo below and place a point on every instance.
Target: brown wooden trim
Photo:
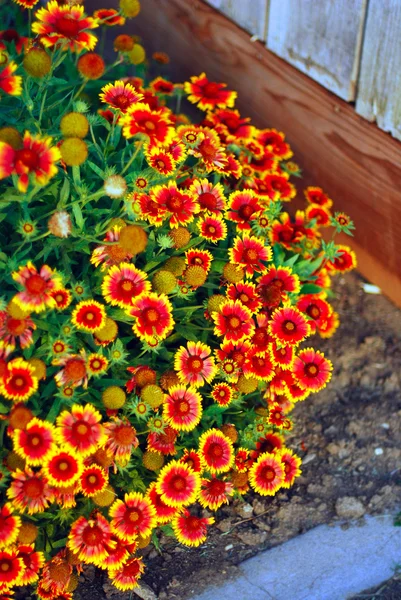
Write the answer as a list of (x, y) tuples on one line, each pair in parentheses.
[(355, 162)]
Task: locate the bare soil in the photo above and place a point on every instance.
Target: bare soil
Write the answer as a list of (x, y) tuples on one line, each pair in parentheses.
[(348, 436)]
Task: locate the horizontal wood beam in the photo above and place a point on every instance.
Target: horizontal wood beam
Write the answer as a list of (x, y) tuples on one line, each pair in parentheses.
[(356, 163)]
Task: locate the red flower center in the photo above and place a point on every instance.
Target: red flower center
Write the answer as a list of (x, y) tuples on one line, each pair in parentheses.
[(161, 163), (80, 429), (28, 158), (131, 569), (246, 211), (96, 364), (217, 487), (92, 536), (121, 101), (311, 370), (267, 473), (183, 407), (35, 284), (289, 326), (287, 468), (178, 483), (211, 229), (174, 203), (261, 336), (16, 326), (207, 200), (124, 435), (34, 440), (75, 369), (150, 316), (211, 89), (5, 565), (67, 27), (234, 322), (195, 364), (33, 488), (134, 515), (238, 357), (250, 255), (193, 523), (92, 479), (232, 123), (216, 450), (17, 381), (313, 311)]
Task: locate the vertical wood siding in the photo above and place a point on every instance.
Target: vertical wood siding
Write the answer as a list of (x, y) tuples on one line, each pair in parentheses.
[(250, 15), (321, 38), (379, 89)]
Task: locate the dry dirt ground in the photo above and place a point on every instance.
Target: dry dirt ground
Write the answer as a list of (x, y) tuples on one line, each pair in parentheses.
[(349, 438)]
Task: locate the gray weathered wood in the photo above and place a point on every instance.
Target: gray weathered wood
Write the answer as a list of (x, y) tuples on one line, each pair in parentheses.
[(249, 14), (379, 88), (322, 38)]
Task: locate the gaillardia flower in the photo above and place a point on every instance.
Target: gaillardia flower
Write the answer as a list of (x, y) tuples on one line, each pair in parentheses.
[(123, 283), (312, 370), (19, 382), (207, 94), (133, 517), (267, 474), (177, 484), (216, 450), (80, 429), (36, 442), (194, 365), (153, 316), (90, 538), (38, 287), (89, 315), (189, 529), (182, 408)]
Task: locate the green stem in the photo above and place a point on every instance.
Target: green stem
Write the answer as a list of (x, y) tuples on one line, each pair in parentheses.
[(133, 157)]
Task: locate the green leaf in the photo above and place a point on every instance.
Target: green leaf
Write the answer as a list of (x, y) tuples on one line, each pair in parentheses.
[(187, 333), (311, 288), (79, 219), (96, 169), (64, 193)]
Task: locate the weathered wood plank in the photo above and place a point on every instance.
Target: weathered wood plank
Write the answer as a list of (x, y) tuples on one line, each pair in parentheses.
[(379, 88), (322, 39), (251, 15), (354, 161)]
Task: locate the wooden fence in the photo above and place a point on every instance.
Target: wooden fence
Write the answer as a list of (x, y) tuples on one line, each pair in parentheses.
[(351, 47)]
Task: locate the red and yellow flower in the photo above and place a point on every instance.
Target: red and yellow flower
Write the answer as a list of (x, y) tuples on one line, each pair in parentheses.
[(89, 315), (315, 195), (312, 370), (208, 95), (10, 84), (10, 526), (346, 261), (282, 356), (30, 491), (38, 287), (177, 484), (292, 464), (97, 364), (241, 460), (12, 329), (234, 322), (90, 538), (243, 208), (63, 469), (120, 96), (194, 365), (216, 450), (164, 512), (161, 161), (212, 228), (33, 563), (275, 141), (266, 475), (109, 17), (163, 441), (80, 429), (36, 442), (65, 26), (11, 569), (189, 529), (75, 371), (153, 316), (179, 205), (258, 365), (133, 517), (155, 125), (62, 297), (121, 440), (246, 293), (288, 326), (210, 198), (123, 283), (93, 480), (222, 393), (214, 493), (110, 254), (126, 576), (276, 283), (19, 381), (250, 252), (182, 408)]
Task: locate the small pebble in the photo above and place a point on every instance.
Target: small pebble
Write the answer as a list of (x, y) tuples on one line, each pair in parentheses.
[(378, 451), (229, 547), (385, 426)]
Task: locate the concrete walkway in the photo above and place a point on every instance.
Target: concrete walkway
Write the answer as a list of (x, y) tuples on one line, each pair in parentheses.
[(327, 563)]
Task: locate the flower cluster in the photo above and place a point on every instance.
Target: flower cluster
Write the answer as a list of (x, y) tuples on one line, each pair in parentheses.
[(157, 302)]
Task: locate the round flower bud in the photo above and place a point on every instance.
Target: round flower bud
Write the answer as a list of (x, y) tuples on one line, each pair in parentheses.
[(239, 480), (262, 411), (39, 367), (137, 55), (195, 276), (59, 572), (72, 583), (153, 460), (180, 236), (102, 458), (215, 303), (11, 136), (59, 224), (168, 379), (247, 385), (37, 63), (144, 376), (233, 273), (20, 416), (133, 239), (72, 558), (163, 282), (74, 151), (91, 65), (108, 332), (123, 43), (130, 8), (152, 395), (113, 397), (14, 461), (105, 498), (142, 542), (74, 124), (28, 533), (115, 186), (176, 265), (16, 311), (230, 431)]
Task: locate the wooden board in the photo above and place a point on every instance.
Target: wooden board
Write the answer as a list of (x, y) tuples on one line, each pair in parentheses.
[(379, 89), (322, 39), (251, 15), (355, 162)]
